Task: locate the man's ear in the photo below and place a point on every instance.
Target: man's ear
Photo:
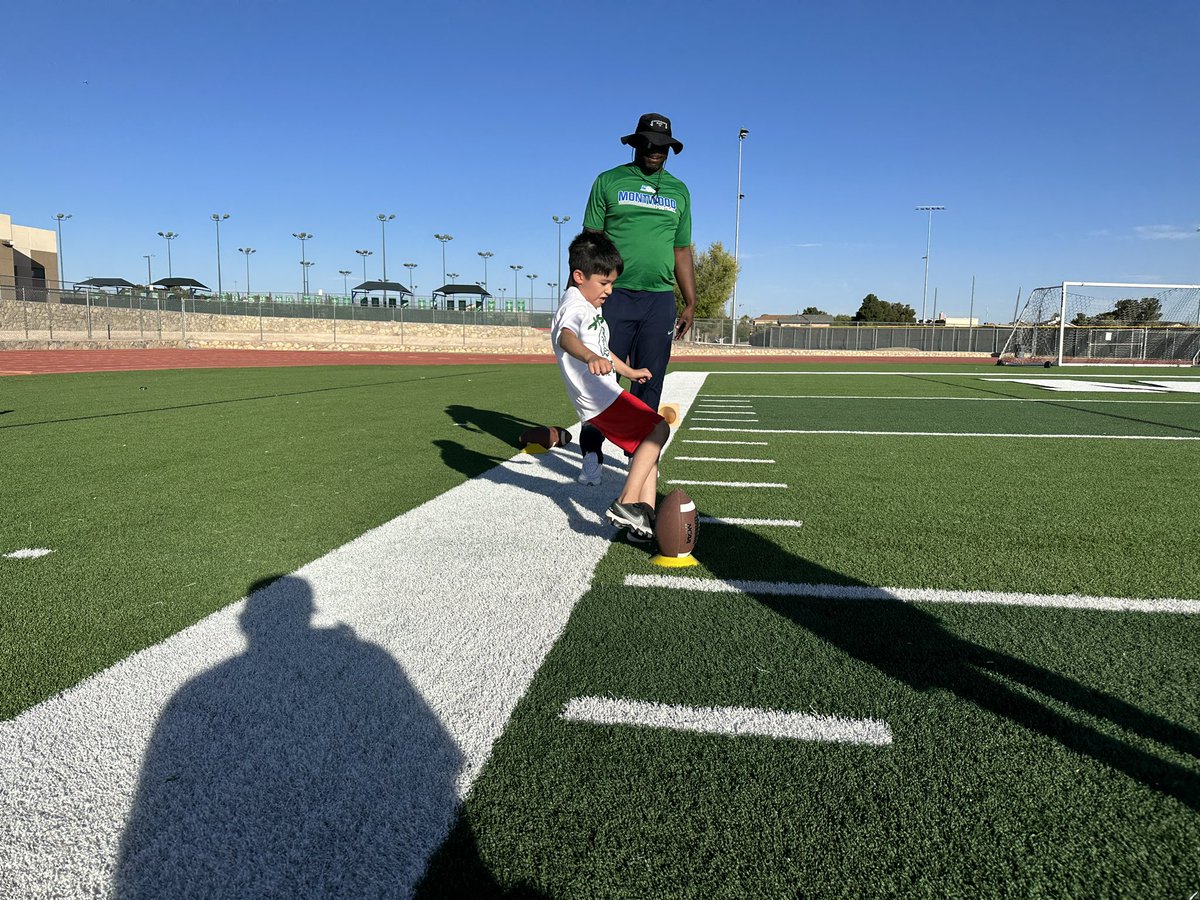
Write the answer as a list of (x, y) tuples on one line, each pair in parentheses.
[(577, 277)]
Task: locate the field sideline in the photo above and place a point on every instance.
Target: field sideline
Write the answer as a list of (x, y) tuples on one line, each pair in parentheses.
[(575, 727)]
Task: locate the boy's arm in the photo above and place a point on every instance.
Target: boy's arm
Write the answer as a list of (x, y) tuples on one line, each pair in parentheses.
[(641, 376), (597, 364), (570, 342)]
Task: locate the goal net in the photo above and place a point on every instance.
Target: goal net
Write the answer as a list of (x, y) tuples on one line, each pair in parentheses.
[(1102, 323)]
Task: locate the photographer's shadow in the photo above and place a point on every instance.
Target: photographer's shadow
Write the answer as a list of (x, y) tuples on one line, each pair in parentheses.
[(306, 766)]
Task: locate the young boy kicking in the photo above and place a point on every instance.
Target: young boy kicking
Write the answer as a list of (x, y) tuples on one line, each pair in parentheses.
[(580, 338)]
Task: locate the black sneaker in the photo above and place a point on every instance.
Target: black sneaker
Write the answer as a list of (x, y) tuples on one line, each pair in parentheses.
[(631, 516), (651, 514)]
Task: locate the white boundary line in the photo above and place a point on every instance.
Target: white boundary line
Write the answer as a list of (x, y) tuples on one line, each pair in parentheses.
[(727, 720), (720, 520), (702, 419), (979, 375), (465, 628), (914, 595), (948, 434)]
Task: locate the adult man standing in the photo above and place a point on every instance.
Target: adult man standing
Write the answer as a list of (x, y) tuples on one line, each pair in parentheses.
[(647, 212)]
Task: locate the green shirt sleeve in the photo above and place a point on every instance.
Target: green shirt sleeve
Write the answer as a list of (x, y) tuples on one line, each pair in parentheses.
[(596, 212), (683, 231)]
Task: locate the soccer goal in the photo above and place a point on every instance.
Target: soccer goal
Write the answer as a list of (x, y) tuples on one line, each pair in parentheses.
[(1105, 323)]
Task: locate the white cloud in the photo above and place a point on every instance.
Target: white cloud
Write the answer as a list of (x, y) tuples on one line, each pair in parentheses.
[(806, 246), (1163, 232)]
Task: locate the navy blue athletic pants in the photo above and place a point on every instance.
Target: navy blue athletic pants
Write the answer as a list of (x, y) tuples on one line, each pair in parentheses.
[(641, 326)]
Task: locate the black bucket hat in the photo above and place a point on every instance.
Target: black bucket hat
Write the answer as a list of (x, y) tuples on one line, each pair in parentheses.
[(654, 128)]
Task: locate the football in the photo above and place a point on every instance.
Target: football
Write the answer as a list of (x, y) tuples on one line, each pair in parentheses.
[(676, 525), (545, 436)]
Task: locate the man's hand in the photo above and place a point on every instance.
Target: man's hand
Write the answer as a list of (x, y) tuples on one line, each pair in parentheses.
[(683, 324), (641, 376)]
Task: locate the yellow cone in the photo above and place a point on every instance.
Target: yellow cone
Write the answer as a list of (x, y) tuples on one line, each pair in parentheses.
[(670, 412), (674, 562)]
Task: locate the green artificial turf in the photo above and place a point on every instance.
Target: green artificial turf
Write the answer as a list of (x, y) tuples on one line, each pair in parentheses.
[(165, 495), (1037, 752)]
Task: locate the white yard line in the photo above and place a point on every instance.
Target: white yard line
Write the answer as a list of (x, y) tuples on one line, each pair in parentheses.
[(721, 520), (948, 434), (727, 720), (739, 443), (728, 459), (915, 595), (1139, 377), (360, 728), (736, 484), (974, 399), (703, 419)]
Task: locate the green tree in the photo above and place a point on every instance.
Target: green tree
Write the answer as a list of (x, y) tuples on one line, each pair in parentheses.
[(875, 310), (715, 274), (1125, 312), (813, 311)]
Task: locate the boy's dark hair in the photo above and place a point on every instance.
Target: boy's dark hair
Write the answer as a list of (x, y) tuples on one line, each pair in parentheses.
[(594, 253)]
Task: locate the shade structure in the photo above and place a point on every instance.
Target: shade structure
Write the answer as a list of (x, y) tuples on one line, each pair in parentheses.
[(181, 282), (392, 287), (104, 283), (475, 289)]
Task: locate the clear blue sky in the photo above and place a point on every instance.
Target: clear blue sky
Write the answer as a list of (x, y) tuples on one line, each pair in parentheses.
[(1063, 138)]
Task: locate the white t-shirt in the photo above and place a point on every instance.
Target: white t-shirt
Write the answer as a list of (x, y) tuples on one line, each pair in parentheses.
[(590, 394)]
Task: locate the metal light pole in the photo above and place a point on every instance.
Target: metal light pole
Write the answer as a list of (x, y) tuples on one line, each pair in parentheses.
[(553, 292), (928, 242), (168, 236), (443, 238), (560, 221), (486, 254), (149, 277), (62, 278), (532, 279), (364, 254), (303, 236), (306, 264), (737, 228), (345, 273), (516, 293), (218, 218), (410, 267), (383, 220), (247, 251)]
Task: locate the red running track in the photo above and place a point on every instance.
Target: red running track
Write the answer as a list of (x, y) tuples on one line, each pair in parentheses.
[(44, 362)]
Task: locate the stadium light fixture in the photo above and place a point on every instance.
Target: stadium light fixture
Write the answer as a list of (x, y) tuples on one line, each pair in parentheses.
[(303, 237), (928, 241), (246, 251), (345, 273), (560, 221), (218, 218), (743, 133), (444, 238), (516, 270), (168, 236), (62, 278), (486, 254), (410, 267), (532, 279), (364, 254)]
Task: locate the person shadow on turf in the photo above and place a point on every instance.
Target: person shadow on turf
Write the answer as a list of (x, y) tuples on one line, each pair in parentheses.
[(910, 644), (307, 766)]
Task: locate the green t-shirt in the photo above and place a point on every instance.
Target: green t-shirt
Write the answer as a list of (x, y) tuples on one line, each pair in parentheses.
[(647, 217)]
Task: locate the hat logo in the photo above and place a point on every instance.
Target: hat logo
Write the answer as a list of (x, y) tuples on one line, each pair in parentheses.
[(658, 123)]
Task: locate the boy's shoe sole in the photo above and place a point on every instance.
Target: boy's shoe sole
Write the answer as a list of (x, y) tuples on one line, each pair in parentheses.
[(630, 516)]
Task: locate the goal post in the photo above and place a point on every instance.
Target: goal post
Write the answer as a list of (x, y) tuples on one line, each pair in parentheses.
[(1106, 323)]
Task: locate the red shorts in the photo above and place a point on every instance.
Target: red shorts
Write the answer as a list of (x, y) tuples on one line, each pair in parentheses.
[(627, 421)]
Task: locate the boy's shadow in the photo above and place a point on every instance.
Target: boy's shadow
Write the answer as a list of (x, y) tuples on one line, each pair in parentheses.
[(489, 421), (307, 766), (913, 647)]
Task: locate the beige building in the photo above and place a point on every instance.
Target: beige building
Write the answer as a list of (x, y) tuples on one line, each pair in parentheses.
[(28, 258)]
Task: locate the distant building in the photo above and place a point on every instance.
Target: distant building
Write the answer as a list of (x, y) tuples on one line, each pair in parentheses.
[(28, 258), (793, 321)]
